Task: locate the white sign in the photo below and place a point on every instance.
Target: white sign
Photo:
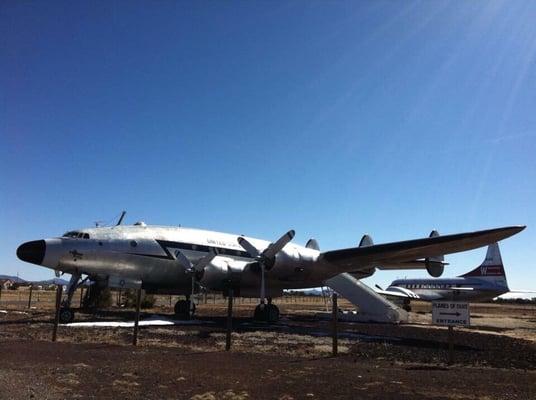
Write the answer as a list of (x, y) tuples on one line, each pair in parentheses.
[(451, 313)]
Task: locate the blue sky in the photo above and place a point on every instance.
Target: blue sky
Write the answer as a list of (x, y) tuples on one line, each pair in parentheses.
[(332, 118)]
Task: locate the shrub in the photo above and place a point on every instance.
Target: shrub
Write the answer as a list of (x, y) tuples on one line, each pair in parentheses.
[(129, 299)]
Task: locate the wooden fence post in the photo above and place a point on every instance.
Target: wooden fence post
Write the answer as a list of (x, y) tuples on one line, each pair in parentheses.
[(59, 292), (229, 320), (335, 321), (137, 320), (30, 297)]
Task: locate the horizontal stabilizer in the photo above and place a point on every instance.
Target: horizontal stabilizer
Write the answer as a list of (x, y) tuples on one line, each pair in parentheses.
[(521, 291)]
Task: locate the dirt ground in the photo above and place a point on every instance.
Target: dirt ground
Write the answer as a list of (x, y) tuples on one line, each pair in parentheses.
[(494, 359)]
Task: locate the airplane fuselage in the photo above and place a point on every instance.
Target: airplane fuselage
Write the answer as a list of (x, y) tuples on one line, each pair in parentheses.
[(463, 289), (147, 254)]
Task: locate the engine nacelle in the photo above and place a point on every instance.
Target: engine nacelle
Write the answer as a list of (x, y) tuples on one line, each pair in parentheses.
[(292, 264), (221, 273), (434, 267), (365, 241)]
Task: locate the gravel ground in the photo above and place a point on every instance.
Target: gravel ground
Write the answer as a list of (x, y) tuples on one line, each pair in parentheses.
[(289, 360)]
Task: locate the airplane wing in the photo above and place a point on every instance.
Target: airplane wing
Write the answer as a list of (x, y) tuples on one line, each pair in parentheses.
[(356, 258)]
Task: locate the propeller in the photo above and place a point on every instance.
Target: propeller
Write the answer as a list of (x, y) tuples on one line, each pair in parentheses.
[(267, 257), (193, 269), (123, 213)]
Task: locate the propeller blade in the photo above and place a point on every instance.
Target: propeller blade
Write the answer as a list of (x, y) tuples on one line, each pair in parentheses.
[(252, 250), (203, 262), (123, 213), (183, 260), (277, 246)]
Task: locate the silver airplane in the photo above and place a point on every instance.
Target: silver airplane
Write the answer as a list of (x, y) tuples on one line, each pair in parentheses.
[(483, 283), (177, 260)]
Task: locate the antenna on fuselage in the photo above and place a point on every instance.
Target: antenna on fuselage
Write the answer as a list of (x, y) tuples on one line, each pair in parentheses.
[(121, 218)]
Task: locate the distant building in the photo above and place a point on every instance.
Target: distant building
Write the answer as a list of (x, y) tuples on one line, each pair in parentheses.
[(7, 283)]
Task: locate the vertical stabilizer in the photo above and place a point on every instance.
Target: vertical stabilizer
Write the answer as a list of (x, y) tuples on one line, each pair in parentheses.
[(492, 266)]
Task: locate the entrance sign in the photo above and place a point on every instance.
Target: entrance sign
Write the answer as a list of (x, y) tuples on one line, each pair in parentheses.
[(451, 313)]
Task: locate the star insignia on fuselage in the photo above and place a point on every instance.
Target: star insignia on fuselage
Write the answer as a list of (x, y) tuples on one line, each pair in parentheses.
[(76, 254)]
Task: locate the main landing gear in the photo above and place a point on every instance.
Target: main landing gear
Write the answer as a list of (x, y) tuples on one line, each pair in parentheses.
[(185, 309), (266, 312)]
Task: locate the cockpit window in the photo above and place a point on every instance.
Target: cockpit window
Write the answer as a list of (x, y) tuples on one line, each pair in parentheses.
[(76, 234), (70, 234)]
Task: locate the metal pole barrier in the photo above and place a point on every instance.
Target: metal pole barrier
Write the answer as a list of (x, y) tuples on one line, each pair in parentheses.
[(335, 318), (81, 296), (59, 292), (30, 297), (229, 320), (137, 320), (451, 344)]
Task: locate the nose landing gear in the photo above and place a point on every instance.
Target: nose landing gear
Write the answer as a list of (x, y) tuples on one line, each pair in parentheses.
[(66, 313)]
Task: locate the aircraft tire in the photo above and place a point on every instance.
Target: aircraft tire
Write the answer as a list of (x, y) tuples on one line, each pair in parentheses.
[(182, 309), (66, 315), (269, 313)]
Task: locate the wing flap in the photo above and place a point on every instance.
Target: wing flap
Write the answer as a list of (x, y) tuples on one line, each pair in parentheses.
[(408, 250)]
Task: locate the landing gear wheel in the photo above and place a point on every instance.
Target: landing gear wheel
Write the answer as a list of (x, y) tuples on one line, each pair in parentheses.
[(66, 315), (182, 309), (266, 313), (406, 307)]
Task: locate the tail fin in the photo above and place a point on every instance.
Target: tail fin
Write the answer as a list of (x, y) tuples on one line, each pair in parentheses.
[(492, 265)]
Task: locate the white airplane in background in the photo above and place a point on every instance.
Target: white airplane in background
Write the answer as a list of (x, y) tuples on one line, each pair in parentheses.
[(483, 283), (177, 260)]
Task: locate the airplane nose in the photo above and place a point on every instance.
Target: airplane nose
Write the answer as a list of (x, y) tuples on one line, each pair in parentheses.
[(32, 252)]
